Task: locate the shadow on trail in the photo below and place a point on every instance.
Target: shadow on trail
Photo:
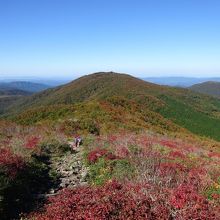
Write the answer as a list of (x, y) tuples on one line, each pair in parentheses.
[(21, 194)]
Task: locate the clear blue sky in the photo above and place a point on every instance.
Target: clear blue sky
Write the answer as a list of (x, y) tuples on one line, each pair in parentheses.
[(50, 38)]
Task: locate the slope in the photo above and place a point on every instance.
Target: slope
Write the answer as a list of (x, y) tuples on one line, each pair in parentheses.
[(209, 88), (8, 96), (11, 92), (97, 98)]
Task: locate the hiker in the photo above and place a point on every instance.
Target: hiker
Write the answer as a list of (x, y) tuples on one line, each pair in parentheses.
[(78, 141)]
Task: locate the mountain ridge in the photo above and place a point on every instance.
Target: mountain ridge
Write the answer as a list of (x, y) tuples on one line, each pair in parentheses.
[(108, 100)]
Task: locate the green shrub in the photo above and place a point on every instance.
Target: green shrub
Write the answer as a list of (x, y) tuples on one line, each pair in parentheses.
[(134, 149), (214, 191), (90, 126), (100, 172), (56, 148), (123, 169)]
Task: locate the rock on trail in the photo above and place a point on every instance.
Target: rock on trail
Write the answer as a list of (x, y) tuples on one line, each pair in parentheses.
[(71, 170)]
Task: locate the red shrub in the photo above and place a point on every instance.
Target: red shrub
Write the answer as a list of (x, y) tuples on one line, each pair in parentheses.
[(190, 204), (183, 195), (215, 196), (122, 152), (195, 175), (94, 155), (110, 156), (32, 142), (10, 162), (169, 143), (214, 154), (126, 201), (112, 138), (112, 201), (177, 154), (166, 167)]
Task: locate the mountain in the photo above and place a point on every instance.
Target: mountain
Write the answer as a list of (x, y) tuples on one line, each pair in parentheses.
[(140, 141), (179, 81), (46, 80), (13, 92), (7, 100), (23, 85), (9, 96), (209, 88), (108, 101)]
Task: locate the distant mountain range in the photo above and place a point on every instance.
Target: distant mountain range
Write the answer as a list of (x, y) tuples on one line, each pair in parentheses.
[(179, 81), (170, 81), (11, 92), (23, 86), (50, 81)]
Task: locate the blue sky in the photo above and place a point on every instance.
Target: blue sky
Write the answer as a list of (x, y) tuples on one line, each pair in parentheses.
[(68, 38)]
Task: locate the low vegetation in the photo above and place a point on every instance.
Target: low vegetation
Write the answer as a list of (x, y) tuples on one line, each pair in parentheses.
[(24, 167), (209, 88), (149, 153), (142, 177), (111, 100)]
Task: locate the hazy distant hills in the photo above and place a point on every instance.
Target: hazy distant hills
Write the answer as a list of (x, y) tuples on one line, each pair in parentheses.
[(8, 96), (10, 92), (209, 88), (179, 81), (109, 101), (23, 86), (13, 92)]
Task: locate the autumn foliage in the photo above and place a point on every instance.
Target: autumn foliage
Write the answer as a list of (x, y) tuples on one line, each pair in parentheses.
[(112, 201), (172, 180), (94, 155), (10, 163), (32, 142), (126, 201), (131, 176)]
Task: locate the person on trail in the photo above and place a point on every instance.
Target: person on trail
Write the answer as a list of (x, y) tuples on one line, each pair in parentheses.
[(78, 141)]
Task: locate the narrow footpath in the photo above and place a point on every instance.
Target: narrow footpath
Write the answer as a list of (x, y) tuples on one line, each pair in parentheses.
[(70, 169)]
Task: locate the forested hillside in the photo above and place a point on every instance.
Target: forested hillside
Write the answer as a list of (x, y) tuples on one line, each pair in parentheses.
[(146, 103), (210, 88)]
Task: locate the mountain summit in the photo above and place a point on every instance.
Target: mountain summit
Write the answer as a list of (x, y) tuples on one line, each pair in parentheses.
[(123, 100), (94, 86)]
